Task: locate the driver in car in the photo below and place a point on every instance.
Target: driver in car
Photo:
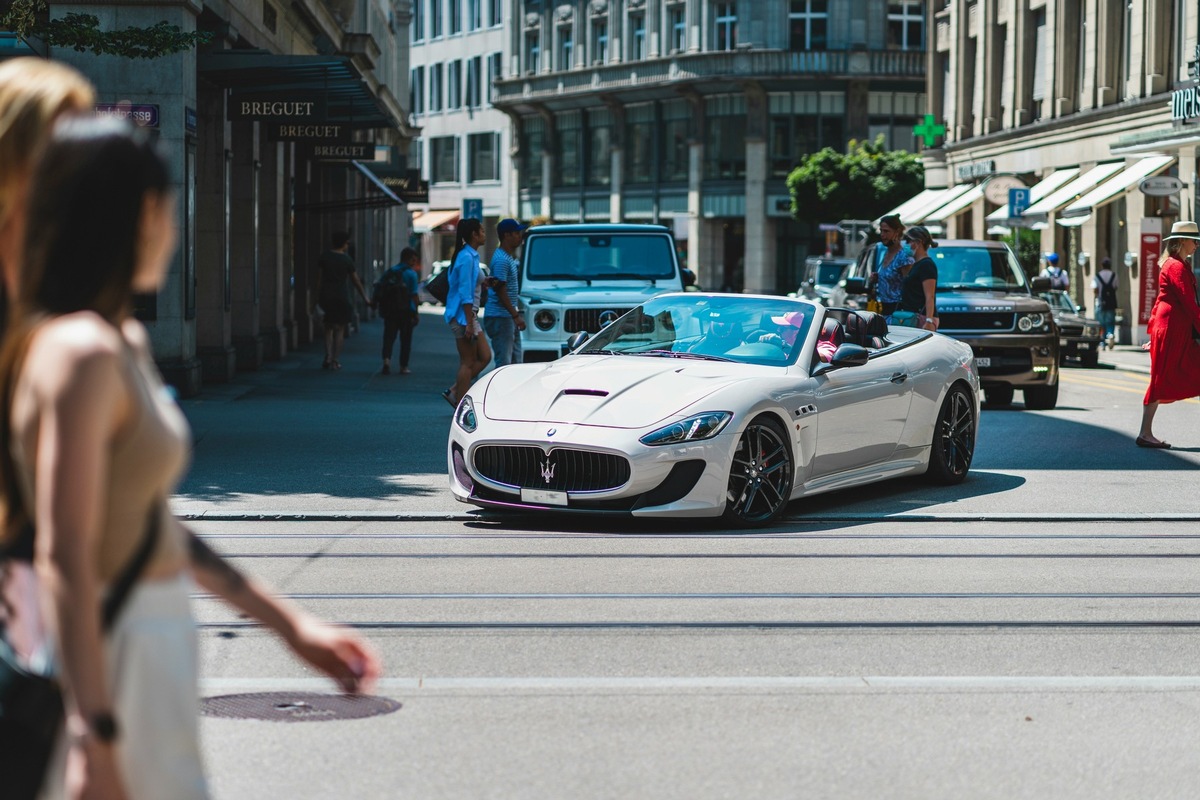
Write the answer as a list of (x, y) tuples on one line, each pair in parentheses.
[(722, 333)]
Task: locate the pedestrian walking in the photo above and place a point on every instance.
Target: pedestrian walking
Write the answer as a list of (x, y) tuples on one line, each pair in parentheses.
[(502, 319), (336, 275), (1174, 327), (1059, 277), (395, 296), (462, 306), (93, 447), (34, 93), (1104, 297), (894, 259), (918, 307)]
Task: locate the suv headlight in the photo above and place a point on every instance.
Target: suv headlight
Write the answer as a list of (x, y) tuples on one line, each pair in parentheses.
[(1031, 322), (692, 429), (464, 415), (544, 319)]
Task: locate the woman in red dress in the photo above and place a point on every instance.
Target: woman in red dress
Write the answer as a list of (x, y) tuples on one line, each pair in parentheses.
[(1174, 324)]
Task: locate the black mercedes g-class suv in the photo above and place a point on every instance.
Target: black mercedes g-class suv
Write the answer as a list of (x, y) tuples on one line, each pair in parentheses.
[(985, 300)]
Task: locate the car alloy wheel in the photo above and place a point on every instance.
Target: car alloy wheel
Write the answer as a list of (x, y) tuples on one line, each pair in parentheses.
[(760, 479), (953, 444)]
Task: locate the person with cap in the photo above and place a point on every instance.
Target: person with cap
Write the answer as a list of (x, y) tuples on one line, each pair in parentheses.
[(1173, 328), (1059, 278), (918, 306), (1104, 295), (502, 319)]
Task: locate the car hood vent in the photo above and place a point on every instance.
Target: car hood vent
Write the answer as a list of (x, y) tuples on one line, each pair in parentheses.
[(586, 392)]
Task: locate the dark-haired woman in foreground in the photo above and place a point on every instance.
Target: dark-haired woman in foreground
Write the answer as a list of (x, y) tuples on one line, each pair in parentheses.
[(95, 447)]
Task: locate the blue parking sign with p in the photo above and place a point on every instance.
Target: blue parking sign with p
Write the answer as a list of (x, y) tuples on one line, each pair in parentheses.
[(472, 208), (1018, 201)]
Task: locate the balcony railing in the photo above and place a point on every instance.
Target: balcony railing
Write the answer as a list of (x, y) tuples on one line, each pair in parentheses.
[(694, 67)]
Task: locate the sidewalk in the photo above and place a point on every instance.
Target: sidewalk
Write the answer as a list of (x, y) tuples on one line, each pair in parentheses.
[(1127, 358)]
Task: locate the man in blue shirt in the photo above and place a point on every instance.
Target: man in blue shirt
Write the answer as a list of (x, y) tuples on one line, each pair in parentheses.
[(502, 320), (395, 296)]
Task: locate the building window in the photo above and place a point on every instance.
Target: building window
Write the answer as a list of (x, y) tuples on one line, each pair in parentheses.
[(531, 152), (443, 159), (474, 15), (417, 26), (637, 37), (570, 130), (725, 148), (475, 82), (435, 20), (495, 12), (454, 86), (677, 16), (495, 73), (599, 152), (676, 136), (533, 53), (600, 41), (566, 48), (725, 26), (437, 79), (417, 90), (639, 144), (483, 150), (809, 24), (906, 26), (454, 11)]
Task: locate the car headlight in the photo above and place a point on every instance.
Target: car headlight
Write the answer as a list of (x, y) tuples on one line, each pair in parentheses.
[(1031, 322), (692, 429), (544, 319), (1091, 330), (464, 415)]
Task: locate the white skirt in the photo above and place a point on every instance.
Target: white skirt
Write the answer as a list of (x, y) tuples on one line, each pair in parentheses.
[(152, 677)]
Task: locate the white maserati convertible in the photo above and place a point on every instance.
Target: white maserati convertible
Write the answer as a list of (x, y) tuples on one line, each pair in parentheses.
[(697, 405)]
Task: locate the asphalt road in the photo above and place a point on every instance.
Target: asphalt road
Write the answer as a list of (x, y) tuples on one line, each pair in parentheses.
[(1030, 633)]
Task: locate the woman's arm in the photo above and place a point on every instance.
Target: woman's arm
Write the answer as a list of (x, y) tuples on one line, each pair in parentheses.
[(337, 652), (929, 285), (358, 284)]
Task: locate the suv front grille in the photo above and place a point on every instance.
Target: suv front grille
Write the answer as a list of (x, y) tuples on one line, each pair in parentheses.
[(1005, 360), (562, 470), (586, 319), (977, 322)]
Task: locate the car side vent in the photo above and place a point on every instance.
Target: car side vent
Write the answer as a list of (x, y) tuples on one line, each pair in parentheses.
[(587, 392)]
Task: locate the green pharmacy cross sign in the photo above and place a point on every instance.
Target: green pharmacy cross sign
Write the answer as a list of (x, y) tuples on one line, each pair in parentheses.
[(930, 130)]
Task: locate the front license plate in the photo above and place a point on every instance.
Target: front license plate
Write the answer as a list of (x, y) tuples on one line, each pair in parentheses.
[(1085, 346), (983, 362), (544, 496)]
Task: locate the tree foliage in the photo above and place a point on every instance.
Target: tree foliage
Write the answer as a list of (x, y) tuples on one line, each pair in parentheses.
[(867, 181), (82, 32)]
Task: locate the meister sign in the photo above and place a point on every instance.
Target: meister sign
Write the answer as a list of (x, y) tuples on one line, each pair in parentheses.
[(277, 107)]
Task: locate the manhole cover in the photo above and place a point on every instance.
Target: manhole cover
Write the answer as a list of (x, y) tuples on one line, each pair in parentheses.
[(296, 706)]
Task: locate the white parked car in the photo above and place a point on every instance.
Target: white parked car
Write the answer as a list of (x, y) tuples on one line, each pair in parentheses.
[(698, 405)]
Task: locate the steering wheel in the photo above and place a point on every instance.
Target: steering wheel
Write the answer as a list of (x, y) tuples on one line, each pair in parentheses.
[(763, 336)]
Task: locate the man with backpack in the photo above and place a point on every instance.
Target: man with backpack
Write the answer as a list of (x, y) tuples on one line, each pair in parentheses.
[(1059, 277), (1104, 289), (395, 296)]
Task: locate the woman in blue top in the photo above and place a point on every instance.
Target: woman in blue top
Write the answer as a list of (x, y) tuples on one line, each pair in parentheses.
[(462, 306), (893, 262)]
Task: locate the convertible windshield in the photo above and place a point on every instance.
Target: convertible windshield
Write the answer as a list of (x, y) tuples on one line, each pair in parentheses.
[(747, 330), (600, 257), (977, 268)]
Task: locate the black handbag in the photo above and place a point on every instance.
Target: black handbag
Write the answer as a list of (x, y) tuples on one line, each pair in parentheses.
[(31, 703)]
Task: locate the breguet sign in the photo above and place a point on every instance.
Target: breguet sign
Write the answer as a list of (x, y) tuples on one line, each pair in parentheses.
[(277, 107), (314, 132)]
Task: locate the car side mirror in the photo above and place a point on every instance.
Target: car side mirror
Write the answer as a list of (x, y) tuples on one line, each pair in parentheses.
[(689, 277), (855, 285), (850, 355), (576, 341), (1040, 284)]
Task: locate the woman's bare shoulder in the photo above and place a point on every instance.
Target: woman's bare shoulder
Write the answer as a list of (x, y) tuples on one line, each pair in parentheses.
[(69, 348)]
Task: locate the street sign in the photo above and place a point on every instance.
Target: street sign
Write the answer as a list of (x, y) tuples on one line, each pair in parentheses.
[(1018, 201), (472, 208), (1161, 187), (142, 115)]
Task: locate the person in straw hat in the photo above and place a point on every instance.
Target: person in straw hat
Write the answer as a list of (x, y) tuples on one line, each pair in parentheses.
[(1174, 326)]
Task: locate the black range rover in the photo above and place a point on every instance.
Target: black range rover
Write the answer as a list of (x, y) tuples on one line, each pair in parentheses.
[(985, 300)]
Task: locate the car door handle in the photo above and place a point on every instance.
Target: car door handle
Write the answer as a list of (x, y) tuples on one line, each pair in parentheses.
[(899, 377)]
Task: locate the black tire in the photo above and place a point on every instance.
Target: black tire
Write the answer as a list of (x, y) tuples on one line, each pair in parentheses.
[(1000, 396), (760, 477), (953, 444), (1090, 358), (1043, 398)]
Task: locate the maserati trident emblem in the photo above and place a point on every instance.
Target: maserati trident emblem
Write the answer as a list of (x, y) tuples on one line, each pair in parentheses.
[(547, 471)]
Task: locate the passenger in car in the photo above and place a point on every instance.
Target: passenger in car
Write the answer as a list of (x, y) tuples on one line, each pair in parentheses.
[(832, 336)]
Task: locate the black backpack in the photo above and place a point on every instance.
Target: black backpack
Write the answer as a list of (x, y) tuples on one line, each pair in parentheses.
[(393, 295), (1108, 294)]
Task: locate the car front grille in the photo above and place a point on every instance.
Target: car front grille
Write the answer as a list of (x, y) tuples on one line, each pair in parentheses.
[(561, 469), (1070, 330), (1005, 360), (586, 319), (977, 322)]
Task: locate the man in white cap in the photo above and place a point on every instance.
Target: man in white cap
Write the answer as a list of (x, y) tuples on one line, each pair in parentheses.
[(502, 319)]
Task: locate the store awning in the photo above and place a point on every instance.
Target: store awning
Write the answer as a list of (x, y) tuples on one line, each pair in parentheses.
[(1073, 189), (349, 100), (1108, 191), (373, 179), (918, 213), (902, 211), (1073, 222), (957, 205), (431, 220), (1039, 190)]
